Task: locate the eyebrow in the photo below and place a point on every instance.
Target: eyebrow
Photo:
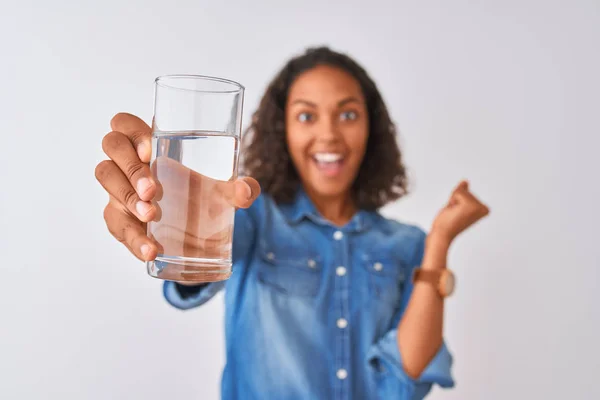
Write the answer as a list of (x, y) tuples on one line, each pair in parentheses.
[(305, 102), (341, 103), (349, 100)]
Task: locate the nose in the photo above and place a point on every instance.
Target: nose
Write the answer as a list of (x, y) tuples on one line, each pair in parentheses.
[(329, 130)]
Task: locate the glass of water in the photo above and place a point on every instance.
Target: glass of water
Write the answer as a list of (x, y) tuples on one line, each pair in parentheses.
[(196, 135)]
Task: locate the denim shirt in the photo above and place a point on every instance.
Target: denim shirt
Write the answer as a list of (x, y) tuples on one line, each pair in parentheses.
[(312, 309)]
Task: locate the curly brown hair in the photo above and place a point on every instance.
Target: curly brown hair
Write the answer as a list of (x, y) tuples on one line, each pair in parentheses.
[(382, 175)]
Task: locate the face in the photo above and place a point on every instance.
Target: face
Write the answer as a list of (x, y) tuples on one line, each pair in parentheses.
[(327, 129)]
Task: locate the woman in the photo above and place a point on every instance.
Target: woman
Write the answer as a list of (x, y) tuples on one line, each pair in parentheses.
[(322, 303)]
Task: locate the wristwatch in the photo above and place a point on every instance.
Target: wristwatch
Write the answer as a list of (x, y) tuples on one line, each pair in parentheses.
[(443, 279)]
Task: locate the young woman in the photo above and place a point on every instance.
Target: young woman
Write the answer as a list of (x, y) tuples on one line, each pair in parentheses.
[(328, 299)]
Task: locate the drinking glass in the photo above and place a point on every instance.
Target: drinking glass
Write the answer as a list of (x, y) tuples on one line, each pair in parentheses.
[(195, 140)]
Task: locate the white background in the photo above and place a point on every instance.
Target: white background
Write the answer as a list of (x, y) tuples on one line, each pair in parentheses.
[(505, 93)]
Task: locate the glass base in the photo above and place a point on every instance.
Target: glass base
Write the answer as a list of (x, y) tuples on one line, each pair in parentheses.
[(186, 269)]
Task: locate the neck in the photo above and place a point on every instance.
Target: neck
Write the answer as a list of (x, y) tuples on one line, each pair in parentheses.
[(336, 209)]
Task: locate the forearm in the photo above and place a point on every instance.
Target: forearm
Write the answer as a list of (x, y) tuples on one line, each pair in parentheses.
[(420, 329)]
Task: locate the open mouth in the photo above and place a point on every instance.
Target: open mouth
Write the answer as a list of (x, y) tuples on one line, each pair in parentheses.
[(330, 164)]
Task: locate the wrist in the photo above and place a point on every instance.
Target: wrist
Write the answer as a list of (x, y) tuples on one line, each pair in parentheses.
[(436, 252), (437, 243), (439, 238)]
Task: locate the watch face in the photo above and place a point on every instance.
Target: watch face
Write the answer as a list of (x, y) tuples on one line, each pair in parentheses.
[(448, 283)]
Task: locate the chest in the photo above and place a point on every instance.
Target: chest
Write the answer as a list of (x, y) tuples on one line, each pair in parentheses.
[(325, 265)]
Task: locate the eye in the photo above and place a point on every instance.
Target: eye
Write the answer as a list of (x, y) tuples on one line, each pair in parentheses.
[(306, 117), (348, 116)]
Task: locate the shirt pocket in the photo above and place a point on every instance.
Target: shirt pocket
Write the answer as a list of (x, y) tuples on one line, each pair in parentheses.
[(290, 273), (386, 278)]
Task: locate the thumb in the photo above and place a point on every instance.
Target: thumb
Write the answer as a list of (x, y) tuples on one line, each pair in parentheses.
[(240, 193), (462, 186)]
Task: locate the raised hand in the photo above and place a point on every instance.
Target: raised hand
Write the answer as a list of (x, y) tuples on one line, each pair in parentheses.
[(462, 210)]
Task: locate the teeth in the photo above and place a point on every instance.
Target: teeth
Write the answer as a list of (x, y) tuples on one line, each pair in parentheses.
[(327, 157)]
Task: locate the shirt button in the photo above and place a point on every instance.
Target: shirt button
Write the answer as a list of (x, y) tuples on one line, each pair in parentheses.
[(338, 235), (342, 373), (312, 263), (378, 266), (342, 323), (270, 256), (340, 271)]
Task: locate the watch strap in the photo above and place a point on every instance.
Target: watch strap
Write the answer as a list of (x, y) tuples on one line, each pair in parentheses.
[(429, 276)]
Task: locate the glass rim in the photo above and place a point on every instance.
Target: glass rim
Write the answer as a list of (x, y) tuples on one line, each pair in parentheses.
[(161, 81)]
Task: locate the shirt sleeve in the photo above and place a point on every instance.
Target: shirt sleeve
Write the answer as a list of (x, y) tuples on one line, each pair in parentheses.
[(187, 297), (184, 299), (392, 382), (385, 361)]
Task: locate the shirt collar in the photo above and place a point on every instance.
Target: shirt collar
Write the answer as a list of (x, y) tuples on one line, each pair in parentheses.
[(303, 207)]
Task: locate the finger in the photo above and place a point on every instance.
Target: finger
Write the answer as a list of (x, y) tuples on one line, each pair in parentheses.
[(485, 210), (154, 168), (157, 211), (118, 186), (472, 205), (118, 148), (171, 238), (129, 231), (467, 196), (242, 199), (138, 132), (461, 187), (240, 193), (452, 201)]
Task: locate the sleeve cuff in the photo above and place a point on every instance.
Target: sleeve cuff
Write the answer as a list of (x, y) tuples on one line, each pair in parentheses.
[(191, 300), (384, 356)]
